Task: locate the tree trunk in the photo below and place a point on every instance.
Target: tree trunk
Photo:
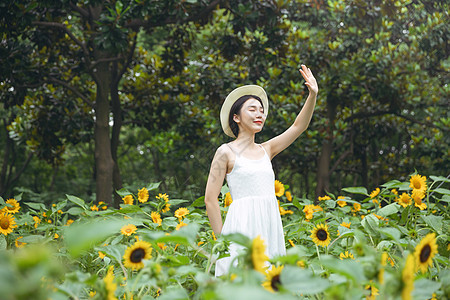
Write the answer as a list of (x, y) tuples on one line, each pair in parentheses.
[(117, 116), (103, 158), (323, 167)]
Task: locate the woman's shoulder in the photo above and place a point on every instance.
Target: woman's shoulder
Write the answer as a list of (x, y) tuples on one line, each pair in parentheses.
[(224, 149)]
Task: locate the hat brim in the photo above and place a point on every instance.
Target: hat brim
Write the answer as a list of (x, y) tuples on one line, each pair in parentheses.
[(232, 97)]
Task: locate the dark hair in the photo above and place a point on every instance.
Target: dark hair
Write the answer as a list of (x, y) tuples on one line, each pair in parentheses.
[(236, 109)]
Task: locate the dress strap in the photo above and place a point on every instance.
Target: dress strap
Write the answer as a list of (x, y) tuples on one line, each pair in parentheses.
[(263, 149)]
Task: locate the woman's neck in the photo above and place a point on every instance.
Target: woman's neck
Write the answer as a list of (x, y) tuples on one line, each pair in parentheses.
[(245, 140)]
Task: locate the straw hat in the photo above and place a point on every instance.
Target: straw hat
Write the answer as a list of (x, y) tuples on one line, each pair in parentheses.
[(237, 93)]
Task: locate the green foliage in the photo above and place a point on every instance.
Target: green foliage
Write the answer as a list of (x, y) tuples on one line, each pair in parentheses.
[(366, 254)]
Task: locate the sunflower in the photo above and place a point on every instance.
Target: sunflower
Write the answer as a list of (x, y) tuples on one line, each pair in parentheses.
[(94, 208), (417, 196), (228, 200), (346, 255), (156, 218), (18, 243), (259, 256), (308, 210), (288, 195), (13, 208), (324, 198), (279, 188), (373, 291), (181, 224), (341, 203), (273, 282), (284, 211), (408, 278), (375, 193), (128, 229), (404, 200), (347, 225), (37, 221), (356, 207), (181, 213), (128, 199), (166, 208), (109, 284), (164, 196), (136, 253), (320, 235), (292, 243), (418, 182), (425, 251), (7, 223), (143, 195)]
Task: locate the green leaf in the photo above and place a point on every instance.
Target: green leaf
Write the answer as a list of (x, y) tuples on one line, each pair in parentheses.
[(123, 192), (424, 288), (388, 210), (83, 236), (153, 186), (392, 184), (442, 191), (245, 292), (439, 178), (36, 206), (391, 233), (434, 222), (199, 202), (349, 268), (77, 201), (302, 281), (115, 251), (174, 293), (127, 208), (239, 239), (177, 201), (75, 210), (33, 239), (370, 224), (356, 190)]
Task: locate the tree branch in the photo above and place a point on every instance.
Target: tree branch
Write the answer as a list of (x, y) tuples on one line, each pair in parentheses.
[(136, 24), (128, 62), (69, 33), (84, 13), (71, 88), (24, 166)]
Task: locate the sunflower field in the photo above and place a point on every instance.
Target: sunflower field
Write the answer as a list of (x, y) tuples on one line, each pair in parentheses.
[(390, 243)]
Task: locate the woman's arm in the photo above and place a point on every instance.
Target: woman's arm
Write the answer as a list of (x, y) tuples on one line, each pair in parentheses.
[(282, 141), (213, 187)]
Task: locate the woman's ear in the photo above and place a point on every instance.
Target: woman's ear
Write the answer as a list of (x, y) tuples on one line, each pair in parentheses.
[(236, 118)]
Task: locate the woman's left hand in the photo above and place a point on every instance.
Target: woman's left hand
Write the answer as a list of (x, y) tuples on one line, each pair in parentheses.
[(311, 82)]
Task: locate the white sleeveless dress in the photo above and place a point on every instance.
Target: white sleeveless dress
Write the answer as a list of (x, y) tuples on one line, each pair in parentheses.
[(254, 210)]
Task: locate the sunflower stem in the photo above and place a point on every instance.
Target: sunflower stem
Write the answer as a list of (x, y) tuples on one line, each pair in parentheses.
[(317, 250)]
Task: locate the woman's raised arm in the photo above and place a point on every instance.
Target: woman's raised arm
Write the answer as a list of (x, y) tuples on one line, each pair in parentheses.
[(282, 141)]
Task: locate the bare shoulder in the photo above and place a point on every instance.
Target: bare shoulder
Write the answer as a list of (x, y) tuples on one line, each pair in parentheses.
[(223, 152)]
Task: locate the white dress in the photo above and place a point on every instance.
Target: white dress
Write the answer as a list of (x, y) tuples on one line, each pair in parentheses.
[(254, 210)]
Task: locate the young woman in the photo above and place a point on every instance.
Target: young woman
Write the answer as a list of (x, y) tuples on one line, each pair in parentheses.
[(248, 169)]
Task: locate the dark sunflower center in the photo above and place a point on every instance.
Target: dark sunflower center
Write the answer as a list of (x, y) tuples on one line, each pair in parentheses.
[(416, 185), (4, 223), (322, 235), (425, 253), (137, 255), (275, 283)]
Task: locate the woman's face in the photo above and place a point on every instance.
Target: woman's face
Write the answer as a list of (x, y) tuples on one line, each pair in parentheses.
[(251, 117)]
